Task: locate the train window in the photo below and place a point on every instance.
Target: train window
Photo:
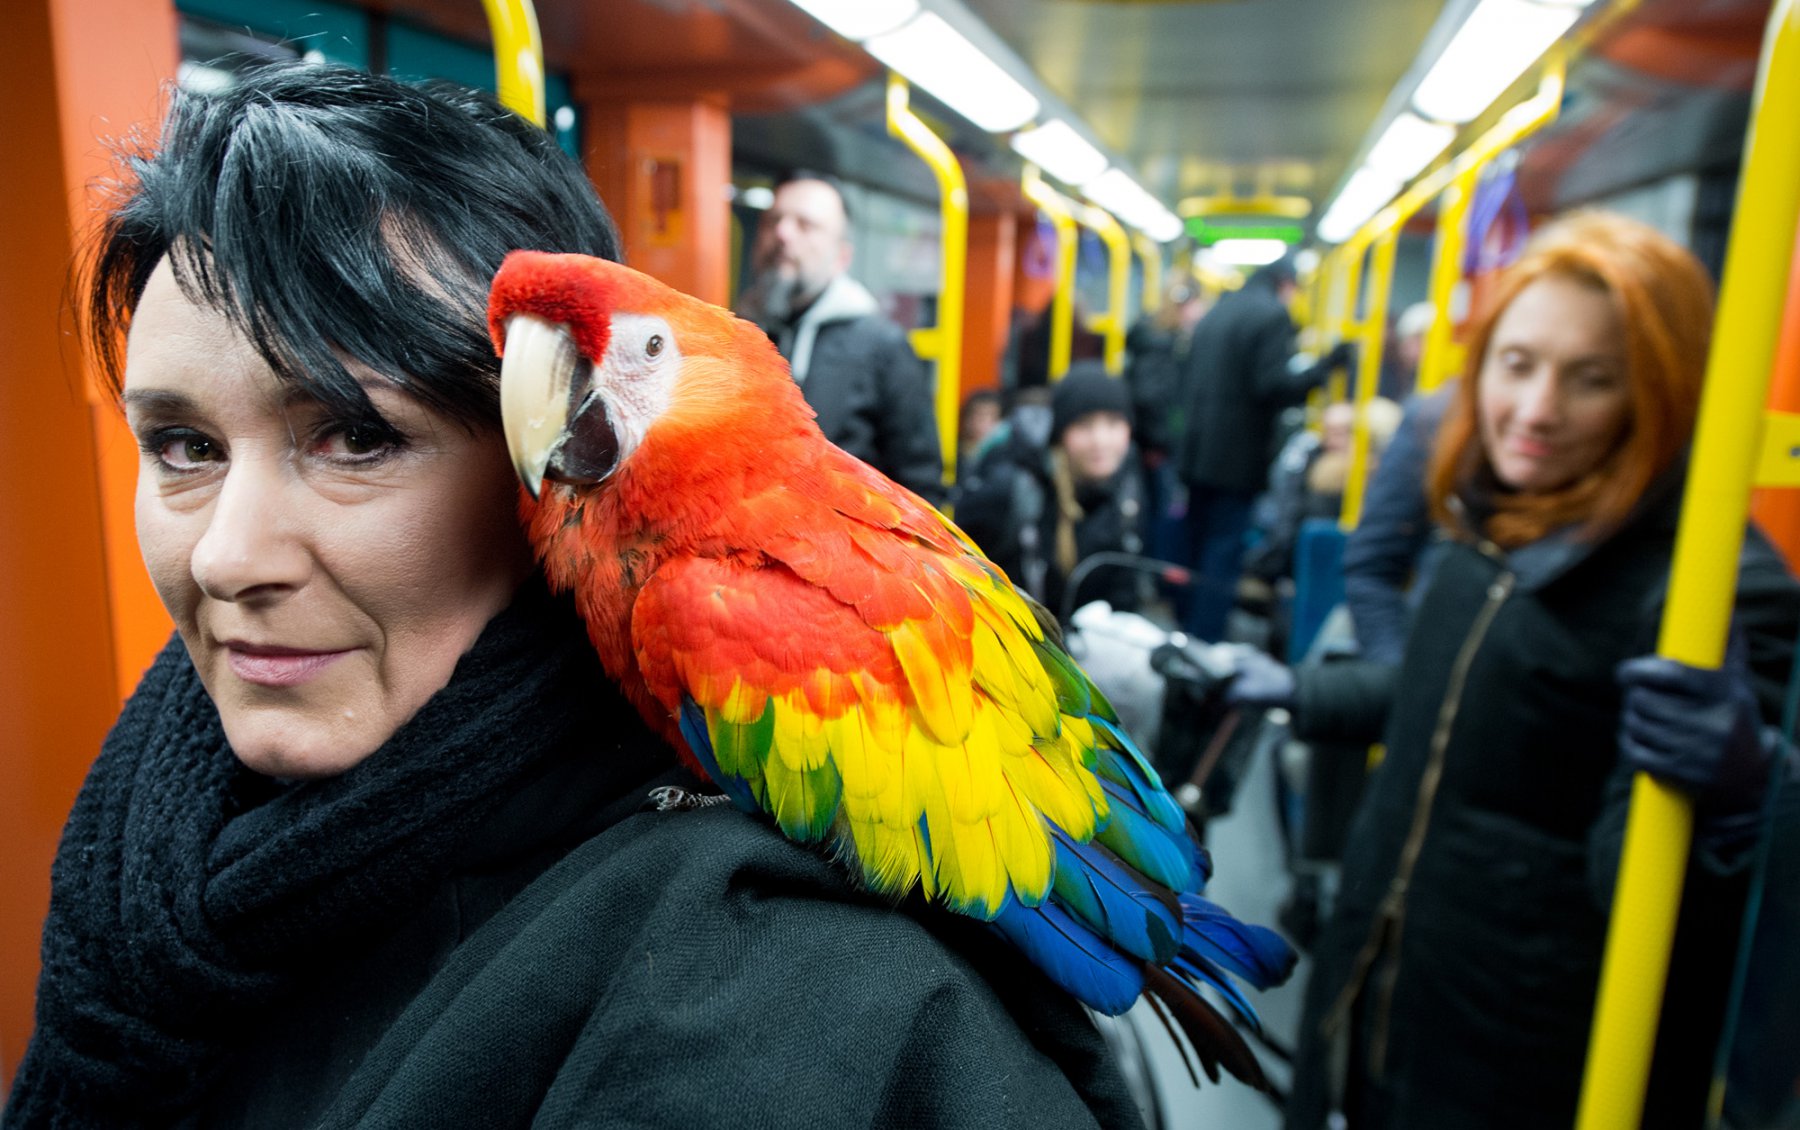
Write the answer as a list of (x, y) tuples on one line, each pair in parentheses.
[(221, 37)]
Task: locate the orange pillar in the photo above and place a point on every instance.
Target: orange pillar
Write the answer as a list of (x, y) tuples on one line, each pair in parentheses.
[(988, 297), (72, 593), (1777, 511), (662, 167)]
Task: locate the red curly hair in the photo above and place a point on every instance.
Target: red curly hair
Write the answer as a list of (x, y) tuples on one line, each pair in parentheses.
[(1664, 299)]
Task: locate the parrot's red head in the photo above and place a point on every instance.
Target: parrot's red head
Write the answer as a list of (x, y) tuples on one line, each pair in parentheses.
[(595, 355)]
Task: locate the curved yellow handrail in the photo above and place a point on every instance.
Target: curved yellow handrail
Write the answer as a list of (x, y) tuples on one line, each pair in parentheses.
[(1111, 325), (518, 57), (1703, 574), (941, 343), (1062, 310)]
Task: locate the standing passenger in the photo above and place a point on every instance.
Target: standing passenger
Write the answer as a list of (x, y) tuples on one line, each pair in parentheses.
[(1462, 962), (1238, 376), (871, 391), (374, 843)]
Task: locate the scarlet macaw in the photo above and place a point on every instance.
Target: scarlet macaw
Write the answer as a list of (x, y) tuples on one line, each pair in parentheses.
[(830, 650)]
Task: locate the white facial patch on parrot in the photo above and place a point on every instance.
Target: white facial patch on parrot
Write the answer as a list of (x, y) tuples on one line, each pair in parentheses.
[(636, 378)]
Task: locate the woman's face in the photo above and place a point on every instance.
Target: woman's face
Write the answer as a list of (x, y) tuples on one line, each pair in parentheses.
[(1554, 393), (324, 578), (1097, 443)]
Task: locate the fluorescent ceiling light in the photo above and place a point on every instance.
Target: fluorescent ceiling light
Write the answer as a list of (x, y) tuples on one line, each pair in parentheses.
[(1408, 144), (1060, 151), (933, 55), (1115, 191), (1249, 252), (1165, 228), (1499, 40), (1362, 196), (859, 19), (758, 196)]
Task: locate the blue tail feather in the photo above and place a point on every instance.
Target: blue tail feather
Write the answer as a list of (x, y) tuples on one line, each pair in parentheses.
[(1165, 856), (1256, 953), (1127, 766), (1073, 956), (1099, 892)]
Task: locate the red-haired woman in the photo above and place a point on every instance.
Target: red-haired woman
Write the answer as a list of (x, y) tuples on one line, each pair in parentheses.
[(1462, 960)]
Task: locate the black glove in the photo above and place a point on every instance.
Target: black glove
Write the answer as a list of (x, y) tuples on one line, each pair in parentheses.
[(1699, 730), (1259, 680), (1342, 356)]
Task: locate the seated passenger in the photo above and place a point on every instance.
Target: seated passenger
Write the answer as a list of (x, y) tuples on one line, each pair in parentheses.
[(1038, 503), (1308, 480), (1461, 964)]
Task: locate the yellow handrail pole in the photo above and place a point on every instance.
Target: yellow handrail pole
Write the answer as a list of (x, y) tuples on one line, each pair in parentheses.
[(518, 57), (1702, 574), (941, 343), (1435, 360), (1118, 279), (1150, 257), (1062, 308), (1368, 372)]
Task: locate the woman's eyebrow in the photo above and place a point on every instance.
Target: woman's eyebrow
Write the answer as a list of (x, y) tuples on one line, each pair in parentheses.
[(158, 400)]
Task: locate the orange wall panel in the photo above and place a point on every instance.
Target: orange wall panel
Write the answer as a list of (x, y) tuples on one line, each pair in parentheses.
[(663, 167), (70, 70), (988, 302)]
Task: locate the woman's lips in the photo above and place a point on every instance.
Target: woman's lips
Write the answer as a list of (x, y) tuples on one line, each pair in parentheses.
[(1530, 448), (277, 666)]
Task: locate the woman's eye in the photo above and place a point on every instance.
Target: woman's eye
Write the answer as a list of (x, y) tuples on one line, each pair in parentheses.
[(654, 347), (356, 443), (183, 450)]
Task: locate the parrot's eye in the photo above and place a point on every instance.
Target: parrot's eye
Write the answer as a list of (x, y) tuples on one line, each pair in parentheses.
[(654, 347)]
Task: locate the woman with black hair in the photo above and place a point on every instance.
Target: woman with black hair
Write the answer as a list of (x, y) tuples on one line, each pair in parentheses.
[(365, 848)]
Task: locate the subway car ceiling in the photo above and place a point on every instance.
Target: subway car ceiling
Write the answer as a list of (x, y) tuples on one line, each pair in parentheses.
[(1207, 98)]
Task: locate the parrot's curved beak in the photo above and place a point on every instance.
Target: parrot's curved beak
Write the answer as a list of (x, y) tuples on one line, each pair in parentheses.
[(555, 424), (536, 374)]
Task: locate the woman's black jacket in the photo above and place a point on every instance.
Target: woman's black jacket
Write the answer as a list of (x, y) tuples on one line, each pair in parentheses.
[(1465, 980)]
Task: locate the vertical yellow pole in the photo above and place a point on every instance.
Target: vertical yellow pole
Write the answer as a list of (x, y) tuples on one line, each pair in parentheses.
[(1437, 362), (943, 342), (518, 57), (1150, 258), (1702, 575), (1062, 308), (1368, 370), (1118, 279)]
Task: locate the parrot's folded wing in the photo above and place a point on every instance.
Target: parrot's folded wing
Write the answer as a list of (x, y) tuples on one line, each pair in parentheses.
[(931, 748)]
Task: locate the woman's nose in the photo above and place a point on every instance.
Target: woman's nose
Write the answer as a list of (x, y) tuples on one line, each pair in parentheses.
[(250, 548), (1540, 400)]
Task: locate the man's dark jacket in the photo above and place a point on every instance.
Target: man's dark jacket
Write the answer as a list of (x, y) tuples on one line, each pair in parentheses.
[(1234, 383), (873, 396), (1467, 986)]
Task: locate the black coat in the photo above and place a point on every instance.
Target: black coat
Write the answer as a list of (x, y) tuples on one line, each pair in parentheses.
[(874, 399), (1234, 383), (679, 969), (1466, 984), (1007, 506)]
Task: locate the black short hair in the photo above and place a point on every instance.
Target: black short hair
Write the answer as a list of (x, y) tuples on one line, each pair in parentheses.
[(332, 213), (833, 182)]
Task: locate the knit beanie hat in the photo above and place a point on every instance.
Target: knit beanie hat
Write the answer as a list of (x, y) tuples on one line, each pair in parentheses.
[(1086, 389)]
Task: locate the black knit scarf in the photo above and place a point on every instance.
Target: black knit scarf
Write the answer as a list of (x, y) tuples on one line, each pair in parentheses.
[(188, 892)]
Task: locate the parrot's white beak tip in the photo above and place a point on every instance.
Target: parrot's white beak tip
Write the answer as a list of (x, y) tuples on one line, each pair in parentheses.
[(535, 375)]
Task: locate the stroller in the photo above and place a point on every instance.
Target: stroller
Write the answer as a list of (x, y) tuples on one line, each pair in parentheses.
[(1168, 691)]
